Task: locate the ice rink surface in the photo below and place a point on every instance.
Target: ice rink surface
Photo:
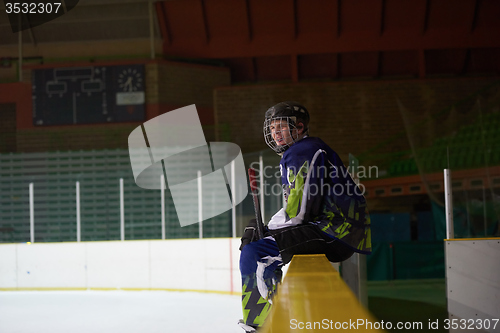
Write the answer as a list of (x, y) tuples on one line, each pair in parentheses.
[(118, 311)]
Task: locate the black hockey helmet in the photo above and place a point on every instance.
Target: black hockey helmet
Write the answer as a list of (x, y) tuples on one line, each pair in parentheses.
[(290, 113)]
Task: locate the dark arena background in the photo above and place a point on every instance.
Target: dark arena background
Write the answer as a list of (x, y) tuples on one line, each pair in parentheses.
[(399, 89)]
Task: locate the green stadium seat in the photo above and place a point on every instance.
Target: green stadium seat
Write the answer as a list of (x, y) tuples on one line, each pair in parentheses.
[(413, 167), (495, 157), (393, 168), (441, 142)]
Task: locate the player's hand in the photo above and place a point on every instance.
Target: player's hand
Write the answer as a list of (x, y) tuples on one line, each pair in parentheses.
[(250, 234)]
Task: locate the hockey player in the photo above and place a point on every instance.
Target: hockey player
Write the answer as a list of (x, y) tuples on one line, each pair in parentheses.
[(325, 212)]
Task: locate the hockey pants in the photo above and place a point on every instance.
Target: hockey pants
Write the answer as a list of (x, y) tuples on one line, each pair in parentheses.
[(261, 262)]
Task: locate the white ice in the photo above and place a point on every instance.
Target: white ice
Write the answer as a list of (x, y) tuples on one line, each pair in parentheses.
[(118, 311)]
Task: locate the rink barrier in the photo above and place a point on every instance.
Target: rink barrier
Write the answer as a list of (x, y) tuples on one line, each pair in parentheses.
[(207, 265), (313, 297), (473, 282)]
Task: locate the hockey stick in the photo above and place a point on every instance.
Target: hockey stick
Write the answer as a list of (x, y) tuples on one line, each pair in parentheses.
[(258, 216)]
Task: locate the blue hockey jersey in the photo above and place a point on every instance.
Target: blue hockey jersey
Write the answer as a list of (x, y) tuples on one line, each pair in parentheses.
[(319, 190)]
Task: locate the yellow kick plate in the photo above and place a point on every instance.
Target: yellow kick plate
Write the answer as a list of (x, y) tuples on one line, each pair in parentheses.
[(314, 298)]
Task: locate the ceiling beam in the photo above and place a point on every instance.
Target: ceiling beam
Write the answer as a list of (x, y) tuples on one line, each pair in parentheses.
[(108, 2), (249, 20), (426, 16), (339, 18), (151, 30), (205, 21), (474, 18), (382, 17), (111, 18), (317, 44), (163, 22), (295, 20)]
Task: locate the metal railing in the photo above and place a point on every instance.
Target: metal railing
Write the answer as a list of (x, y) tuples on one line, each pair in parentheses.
[(92, 196)]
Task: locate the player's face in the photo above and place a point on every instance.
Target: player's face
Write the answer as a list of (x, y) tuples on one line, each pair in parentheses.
[(281, 133)]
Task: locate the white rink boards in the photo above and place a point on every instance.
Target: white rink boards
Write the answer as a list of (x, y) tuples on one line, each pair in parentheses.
[(473, 283), (188, 264)]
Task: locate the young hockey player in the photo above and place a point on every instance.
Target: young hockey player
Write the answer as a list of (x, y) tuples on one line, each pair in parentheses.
[(325, 212)]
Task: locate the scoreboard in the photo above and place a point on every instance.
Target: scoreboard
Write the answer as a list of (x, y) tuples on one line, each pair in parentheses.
[(88, 95)]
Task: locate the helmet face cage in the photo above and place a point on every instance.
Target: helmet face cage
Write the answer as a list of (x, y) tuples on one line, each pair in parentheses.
[(280, 130), (280, 133)]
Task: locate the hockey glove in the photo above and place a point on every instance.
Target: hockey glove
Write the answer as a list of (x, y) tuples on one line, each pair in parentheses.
[(250, 234)]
